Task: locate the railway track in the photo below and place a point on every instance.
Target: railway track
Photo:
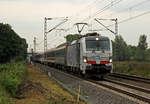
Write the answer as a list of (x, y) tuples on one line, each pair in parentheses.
[(139, 93), (129, 86), (129, 77), (127, 89), (124, 91)]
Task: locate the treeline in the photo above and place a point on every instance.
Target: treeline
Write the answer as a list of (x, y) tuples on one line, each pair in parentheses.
[(124, 52), (11, 44)]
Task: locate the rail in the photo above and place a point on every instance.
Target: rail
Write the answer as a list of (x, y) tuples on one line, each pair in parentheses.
[(131, 77)]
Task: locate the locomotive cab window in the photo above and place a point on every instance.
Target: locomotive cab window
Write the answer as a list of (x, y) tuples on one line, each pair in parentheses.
[(97, 45)]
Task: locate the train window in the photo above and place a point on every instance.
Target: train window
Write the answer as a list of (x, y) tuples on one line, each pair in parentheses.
[(60, 53), (97, 45)]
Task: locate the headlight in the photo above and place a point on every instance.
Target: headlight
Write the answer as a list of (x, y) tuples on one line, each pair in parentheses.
[(97, 38), (85, 60), (110, 60)]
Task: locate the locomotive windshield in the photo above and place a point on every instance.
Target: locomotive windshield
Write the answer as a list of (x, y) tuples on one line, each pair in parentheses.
[(97, 45)]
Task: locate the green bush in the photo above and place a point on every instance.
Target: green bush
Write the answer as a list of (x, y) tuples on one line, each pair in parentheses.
[(4, 67), (11, 78), (10, 82), (18, 59)]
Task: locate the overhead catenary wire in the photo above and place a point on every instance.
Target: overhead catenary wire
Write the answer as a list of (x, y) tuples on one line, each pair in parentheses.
[(113, 3), (85, 9), (126, 20), (54, 39), (89, 6), (130, 18), (129, 8), (40, 43), (134, 17)]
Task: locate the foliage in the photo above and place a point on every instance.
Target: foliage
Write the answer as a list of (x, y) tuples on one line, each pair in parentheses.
[(142, 42), (11, 45), (12, 76), (120, 49), (124, 52), (141, 49), (3, 96), (132, 52), (18, 58), (148, 54), (71, 37)]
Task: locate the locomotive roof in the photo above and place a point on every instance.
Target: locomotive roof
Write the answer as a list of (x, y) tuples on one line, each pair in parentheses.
[(61, 47), (93, 35), (63, 44), (100, 37)]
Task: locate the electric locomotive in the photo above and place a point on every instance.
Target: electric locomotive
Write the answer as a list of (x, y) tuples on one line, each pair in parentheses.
[(91, 55)]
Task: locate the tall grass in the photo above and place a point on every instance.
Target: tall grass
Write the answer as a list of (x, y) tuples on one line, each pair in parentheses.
[(11, 76), (133, 68), (3, 96)]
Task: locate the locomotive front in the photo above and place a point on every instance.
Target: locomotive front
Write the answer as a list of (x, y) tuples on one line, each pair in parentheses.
[(96, 55)]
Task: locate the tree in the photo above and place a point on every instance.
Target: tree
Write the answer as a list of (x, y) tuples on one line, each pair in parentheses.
[(71, 37), (142, 48), (11, 45), (148, 54), (142, 42), (132, 52), (120, 49)]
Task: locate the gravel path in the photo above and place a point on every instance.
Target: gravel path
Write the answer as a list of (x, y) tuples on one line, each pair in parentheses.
[(94, 93)]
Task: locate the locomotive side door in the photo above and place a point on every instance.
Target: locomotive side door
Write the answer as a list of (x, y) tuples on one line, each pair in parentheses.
[(82, 54)]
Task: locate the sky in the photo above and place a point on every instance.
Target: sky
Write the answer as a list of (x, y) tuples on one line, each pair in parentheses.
[(27, 18)]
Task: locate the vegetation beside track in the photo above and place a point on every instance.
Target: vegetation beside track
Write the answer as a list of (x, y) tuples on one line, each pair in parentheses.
[(25, 84), (11, 76), (133, 68), (53, 92), (4, 96)]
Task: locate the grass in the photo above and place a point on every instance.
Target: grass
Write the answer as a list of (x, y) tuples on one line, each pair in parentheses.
[(11, 75), (82, 93), (56, 94), (4, 96), (133, 68)]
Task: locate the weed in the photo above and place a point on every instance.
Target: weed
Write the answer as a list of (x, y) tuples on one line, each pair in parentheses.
[(3, 97), (11, 78)]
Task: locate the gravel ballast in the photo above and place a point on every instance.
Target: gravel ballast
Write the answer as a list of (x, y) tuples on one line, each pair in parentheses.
[(92, 92)]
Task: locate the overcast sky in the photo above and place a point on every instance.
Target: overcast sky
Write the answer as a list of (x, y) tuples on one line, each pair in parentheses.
[(27, 17)]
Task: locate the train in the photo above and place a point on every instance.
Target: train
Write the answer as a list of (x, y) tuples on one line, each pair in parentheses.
[(89, 55)]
